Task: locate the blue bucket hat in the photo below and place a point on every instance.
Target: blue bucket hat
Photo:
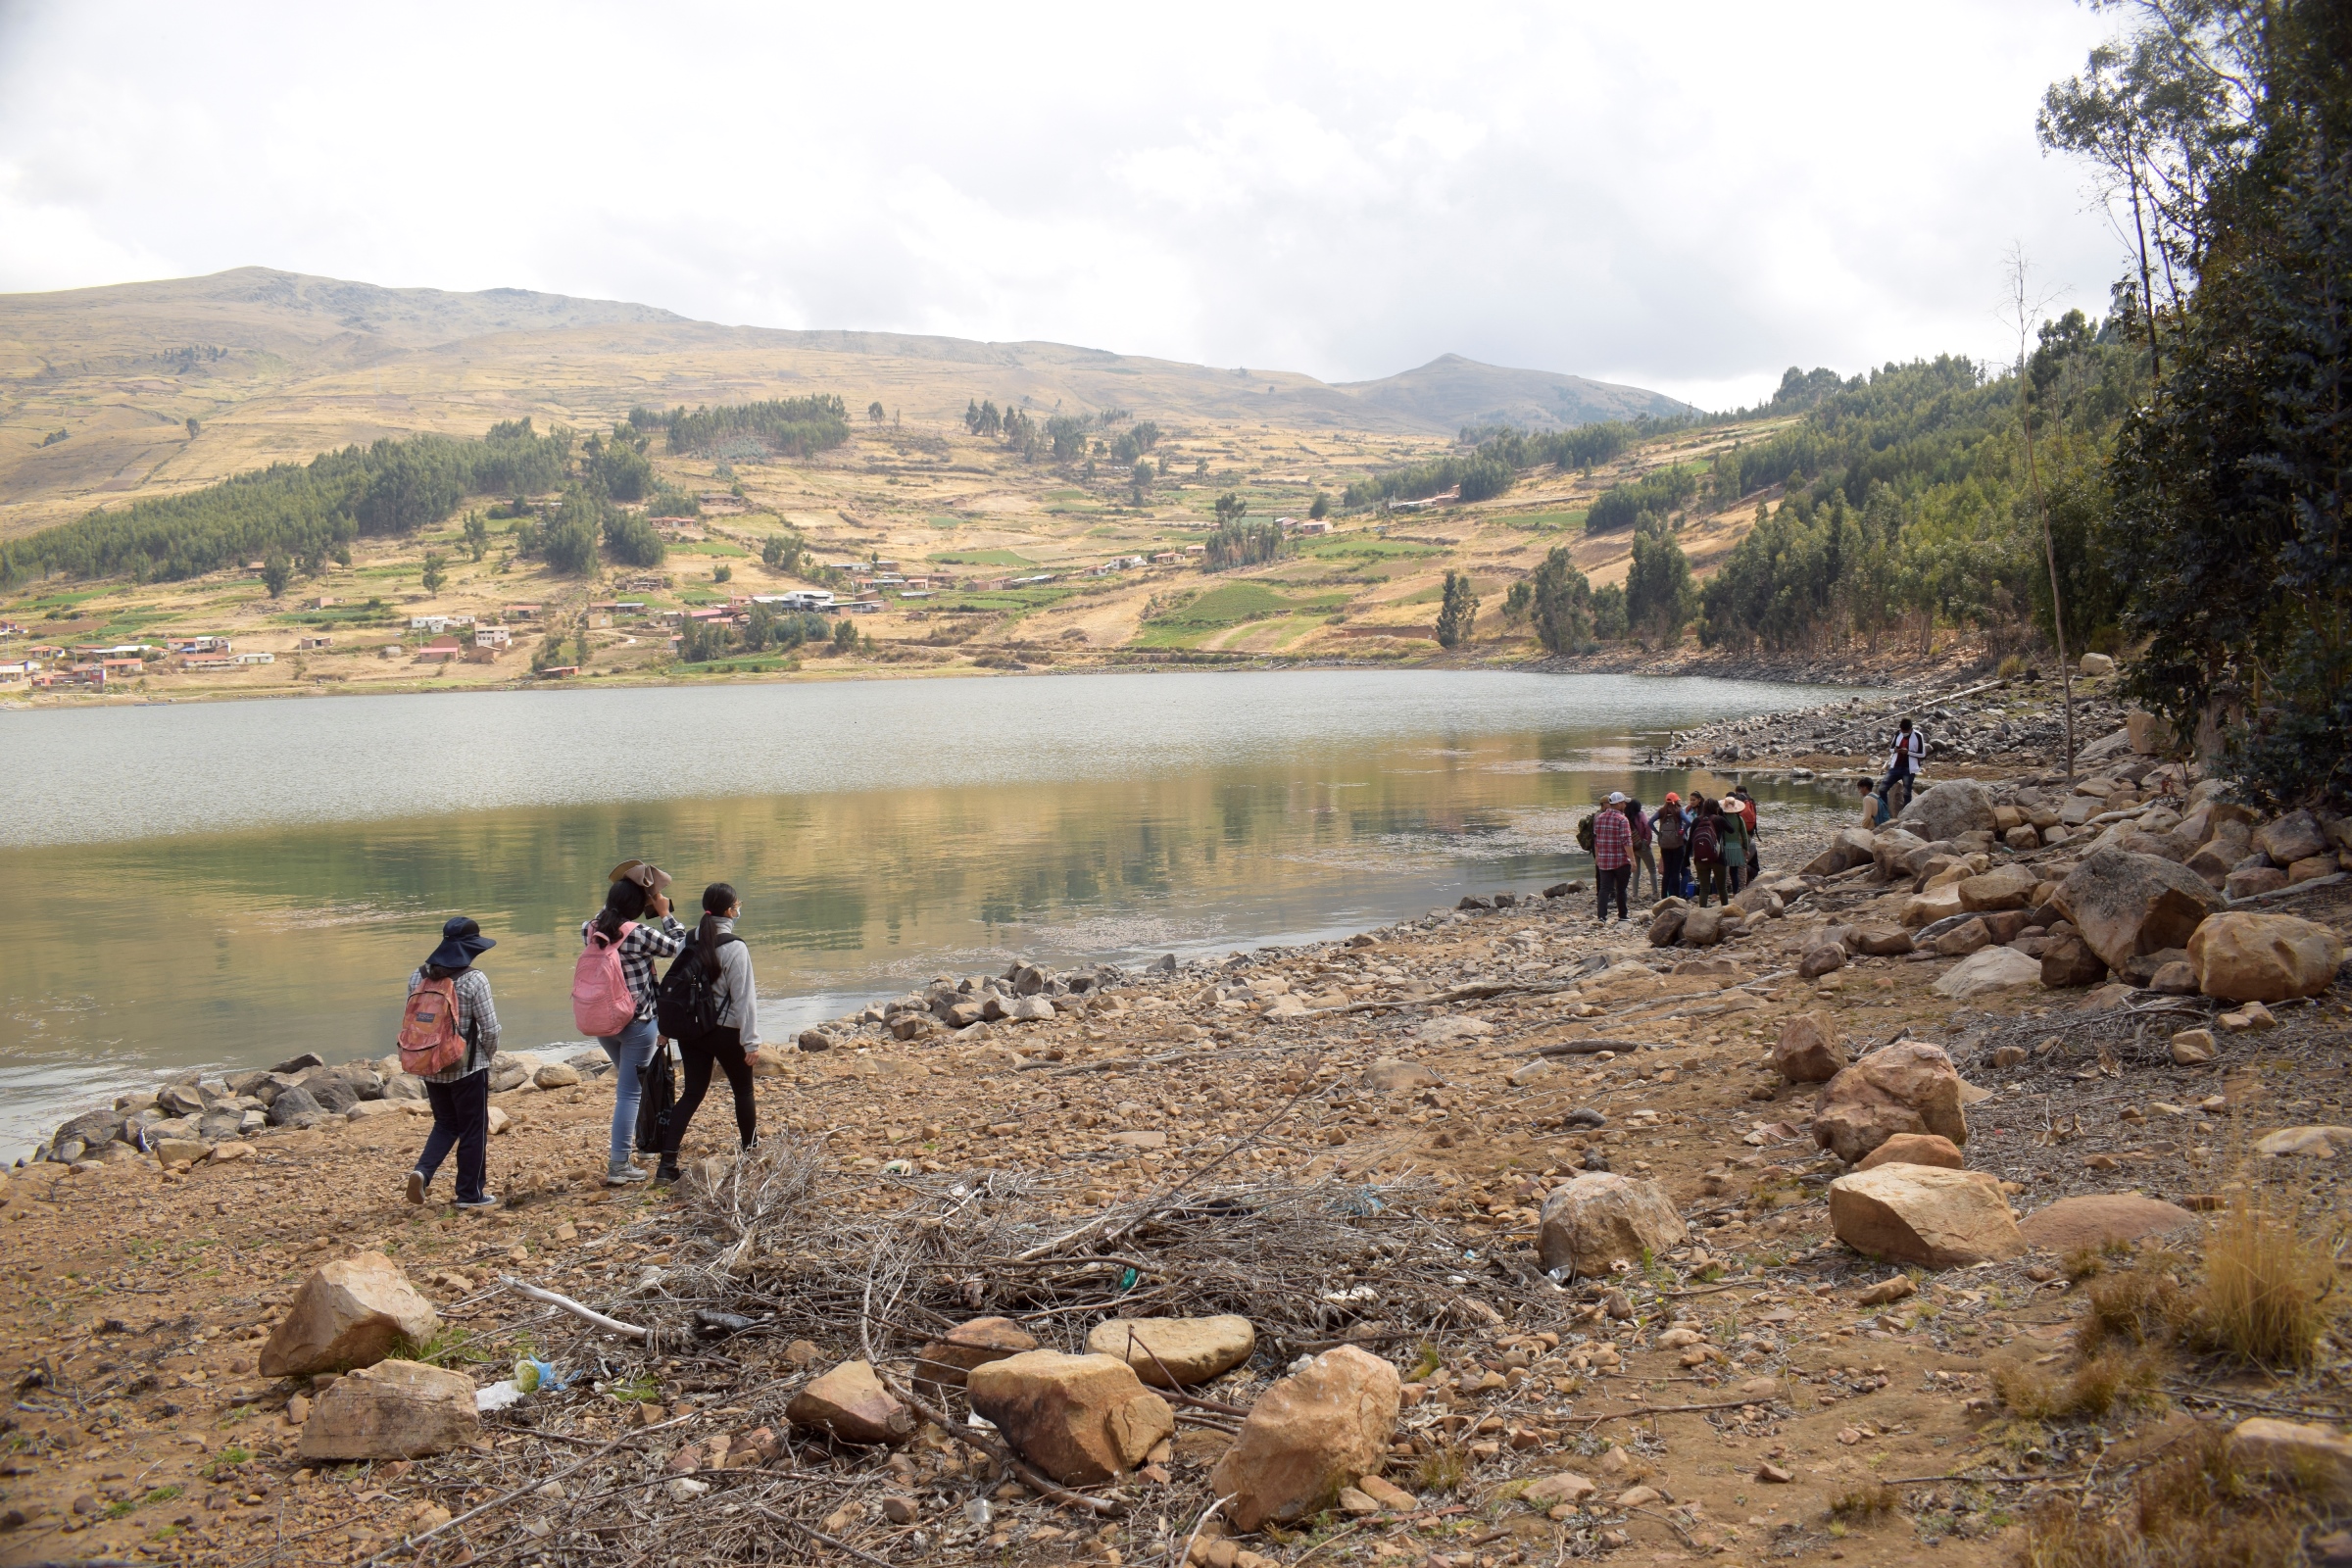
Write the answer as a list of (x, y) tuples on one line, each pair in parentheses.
[(462, 941)]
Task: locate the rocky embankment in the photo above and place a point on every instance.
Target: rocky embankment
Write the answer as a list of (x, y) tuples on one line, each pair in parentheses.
[(1797, 1232)]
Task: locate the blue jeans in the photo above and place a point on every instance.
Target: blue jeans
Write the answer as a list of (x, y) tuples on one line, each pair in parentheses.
[(630, 1050), (461, 1119)]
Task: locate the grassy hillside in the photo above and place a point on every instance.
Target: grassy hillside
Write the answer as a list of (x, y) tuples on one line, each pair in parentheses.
[(139, 389)]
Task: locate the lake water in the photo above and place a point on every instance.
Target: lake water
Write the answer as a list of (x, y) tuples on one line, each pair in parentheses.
[(228, 884)]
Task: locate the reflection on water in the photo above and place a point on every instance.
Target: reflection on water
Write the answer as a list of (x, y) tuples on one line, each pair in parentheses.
[(231, 884)]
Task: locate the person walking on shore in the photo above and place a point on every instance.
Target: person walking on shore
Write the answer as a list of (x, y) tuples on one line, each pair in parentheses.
[(1645, 857), (617, 953), (448, 1034), (1672, 833), (1612, 853), (708, 1007)]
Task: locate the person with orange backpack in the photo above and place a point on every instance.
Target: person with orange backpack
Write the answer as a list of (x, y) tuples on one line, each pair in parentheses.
[(448, 1034), (613, 993)]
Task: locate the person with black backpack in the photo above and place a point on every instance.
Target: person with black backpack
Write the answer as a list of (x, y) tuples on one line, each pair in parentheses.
[(706, 1004)]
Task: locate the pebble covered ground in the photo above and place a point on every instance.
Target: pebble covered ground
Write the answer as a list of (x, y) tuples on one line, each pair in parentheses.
[(1738, 1399)]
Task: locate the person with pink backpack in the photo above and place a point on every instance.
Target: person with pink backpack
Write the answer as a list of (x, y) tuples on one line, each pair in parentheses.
[(448, 1034), (612, 991)]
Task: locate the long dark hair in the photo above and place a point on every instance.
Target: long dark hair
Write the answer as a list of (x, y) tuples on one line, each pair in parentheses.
[(624, 901), (717, 899)]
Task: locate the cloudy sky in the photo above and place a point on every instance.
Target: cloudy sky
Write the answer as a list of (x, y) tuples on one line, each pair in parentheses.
[(1688, 197)]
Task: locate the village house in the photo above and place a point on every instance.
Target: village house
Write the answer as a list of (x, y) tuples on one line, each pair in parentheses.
[(17, 671), (521, 613), (10, 628), (312, 644), (253, 659), (207, 663), (117, 669), (440, 651), (89, 676), (493, 637), (197, 645), (1314, 525)]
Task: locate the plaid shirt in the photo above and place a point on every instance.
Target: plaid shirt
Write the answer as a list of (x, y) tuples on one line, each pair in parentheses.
[(478, 1024), (638, 951), (1612, 840)]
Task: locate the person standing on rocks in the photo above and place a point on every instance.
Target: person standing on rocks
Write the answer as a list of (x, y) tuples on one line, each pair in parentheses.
[(1748, 819), (1902, 765), (1707, 851), (1644, 856), (706, 1004), (1671, 830), (459, 1092), (1731, 840), (637, 888), (1612, 853)]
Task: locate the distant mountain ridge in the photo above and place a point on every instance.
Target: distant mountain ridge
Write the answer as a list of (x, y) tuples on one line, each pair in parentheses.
[(160, 385)]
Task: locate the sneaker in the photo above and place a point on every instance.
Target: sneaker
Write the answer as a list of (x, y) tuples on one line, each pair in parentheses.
[(416, 1188), (667, 1174), (623, 1174), (486, 1201)]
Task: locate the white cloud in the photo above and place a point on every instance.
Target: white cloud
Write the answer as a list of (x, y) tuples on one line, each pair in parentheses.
[(1689, 199)]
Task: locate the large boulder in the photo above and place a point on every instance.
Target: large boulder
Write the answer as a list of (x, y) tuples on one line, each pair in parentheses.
[(851, 1403), (347, 1314), (2094, 1219), (1891, 851), (2296, 836), (1600, 1218), (1311, 1434), (1702, 927), (2231, 843), (1666, 925), (1915, 1148), (2124, 905), (1880, 941), (1950, 809), (295, 1108), (1924, 1214), (947, 1360), (2067, 962), (2004, 887), (2239, 956), (1809, 1050), (1848, 848), (331, 1090), (1186, 1349), (1081, 1419), (392, 1410), (1989, 970), (2308, 1455), (1908, 1087)]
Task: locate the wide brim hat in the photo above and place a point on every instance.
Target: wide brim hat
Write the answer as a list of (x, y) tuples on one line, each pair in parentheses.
[(645, 873), (462, 941)]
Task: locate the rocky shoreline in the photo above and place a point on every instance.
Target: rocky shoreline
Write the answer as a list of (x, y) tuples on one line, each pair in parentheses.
[(1674, 1236)]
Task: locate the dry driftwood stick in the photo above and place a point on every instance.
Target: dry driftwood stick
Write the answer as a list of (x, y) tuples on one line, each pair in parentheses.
[(1178, 1559), (1587, 1048), (411, 1543), (610, 1325), (817, 1536), (1660, 1410)]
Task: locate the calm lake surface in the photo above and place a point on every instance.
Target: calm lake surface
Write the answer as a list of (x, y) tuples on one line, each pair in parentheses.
[(228, 884)]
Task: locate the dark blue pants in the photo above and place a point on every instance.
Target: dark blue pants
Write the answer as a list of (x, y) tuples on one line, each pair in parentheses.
[(461, 1118)]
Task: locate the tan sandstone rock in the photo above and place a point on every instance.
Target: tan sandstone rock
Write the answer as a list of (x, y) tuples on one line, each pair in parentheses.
[(2243, 957), (1188, 1350), (1909, 1087), (1081, 1419), (1924, 1214), (1310, 1435), (2126, 905), (1600, 1218), (851, 1403), (2007, 887), (1915, 1148), (347, 1314), (947, 1360), (2319, 1459), (1809, 1050), (391, 1411), (1988, 971), (1391, 1074), (2094, 1219)]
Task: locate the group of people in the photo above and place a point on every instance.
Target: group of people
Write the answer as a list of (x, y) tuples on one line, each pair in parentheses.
[(1703, 848), (449, 1028)]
